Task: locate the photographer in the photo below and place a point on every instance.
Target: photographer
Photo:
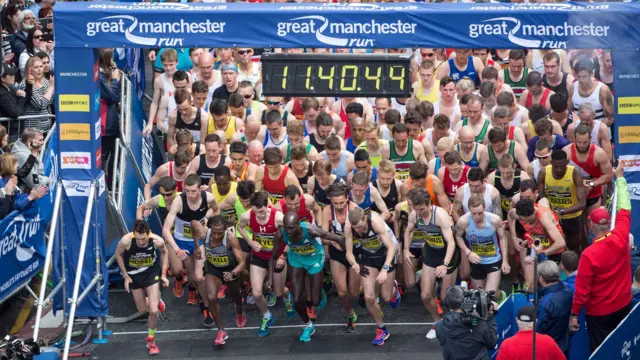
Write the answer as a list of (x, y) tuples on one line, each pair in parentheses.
[(464, 335), (30, 171)]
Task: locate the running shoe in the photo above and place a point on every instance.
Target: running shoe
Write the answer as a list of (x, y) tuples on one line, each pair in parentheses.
[(208, 319), (439, 306), (351, 323), (395, 301), (432, 333), (288, 305), (264, 327), (241, 320), (222, 336), (193, 298), (178, 288), (323, 301), (311, 313), (161, 306), (151, 345), (307, 332), (515, 287), (271, 298), (222, 292), (381, 336)]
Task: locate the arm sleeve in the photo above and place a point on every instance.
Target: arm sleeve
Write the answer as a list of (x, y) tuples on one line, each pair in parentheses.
[(110, 92), (22, 201), (9, 109), (543, 316), (583, 284), (623, 195)]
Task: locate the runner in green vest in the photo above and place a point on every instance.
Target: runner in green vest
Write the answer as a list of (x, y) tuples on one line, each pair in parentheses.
[(483, 132), (498, 146), (516, 70)]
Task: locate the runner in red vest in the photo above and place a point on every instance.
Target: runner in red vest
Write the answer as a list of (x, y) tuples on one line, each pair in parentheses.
[(454, 174), (535, 93), (302, 204), (274, 177)]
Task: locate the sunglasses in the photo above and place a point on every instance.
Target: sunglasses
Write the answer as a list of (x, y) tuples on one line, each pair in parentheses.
[(248, 96), (243, 52), (273, 103), (542, 156), (39, 37), (167, 194), (428, 54)]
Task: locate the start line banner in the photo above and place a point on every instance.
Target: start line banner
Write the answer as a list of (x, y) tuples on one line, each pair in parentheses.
[(392, 25)]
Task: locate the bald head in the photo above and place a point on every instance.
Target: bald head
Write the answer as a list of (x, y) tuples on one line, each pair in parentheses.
[(465, 132), (255, 152), (206, 59), (290, 219)]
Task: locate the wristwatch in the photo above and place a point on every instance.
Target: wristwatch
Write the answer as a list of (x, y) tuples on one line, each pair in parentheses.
[(592, 184), (386, 267), (445, 263), (561, 211)]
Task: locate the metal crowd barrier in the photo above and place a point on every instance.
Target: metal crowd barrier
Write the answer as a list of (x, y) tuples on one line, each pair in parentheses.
[(14, 127)]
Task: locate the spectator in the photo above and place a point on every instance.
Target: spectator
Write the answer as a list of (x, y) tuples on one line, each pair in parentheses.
[(109, 107), (569, 266), (635, 287), (603, 285), (35, 44), (10, 18), (27, 149), (4, 139), (12, 198), (11, 100), (27, 21), (39, 95), (38, 5), (555, 305), (520, 345)]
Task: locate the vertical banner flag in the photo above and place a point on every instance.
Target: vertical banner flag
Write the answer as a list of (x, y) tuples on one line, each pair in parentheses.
[(627, 125), (79, 144), (131, 62)]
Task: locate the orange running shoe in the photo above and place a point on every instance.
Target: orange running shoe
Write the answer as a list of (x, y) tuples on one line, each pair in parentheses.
[(222, 292), (151, 345), (311, 312), (178, 288), (193, 298)]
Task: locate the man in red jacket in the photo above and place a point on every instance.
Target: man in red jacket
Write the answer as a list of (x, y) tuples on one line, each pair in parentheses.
[(520, 345), (603, 284)]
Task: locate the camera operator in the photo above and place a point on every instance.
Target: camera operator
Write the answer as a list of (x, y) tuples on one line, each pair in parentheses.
[(463, 335), (30, 170)]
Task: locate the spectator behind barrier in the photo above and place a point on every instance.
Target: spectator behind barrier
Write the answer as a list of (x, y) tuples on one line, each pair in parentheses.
[(555, 305), (110, 98), (10, 18), (26, 21), (11, 100), (35, 43), (4, 139), (30, 170), (39, 95), (569, 267), (520, 345), (11, 198)]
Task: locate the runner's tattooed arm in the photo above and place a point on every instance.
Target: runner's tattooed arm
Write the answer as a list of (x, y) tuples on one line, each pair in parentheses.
[(496, 203)]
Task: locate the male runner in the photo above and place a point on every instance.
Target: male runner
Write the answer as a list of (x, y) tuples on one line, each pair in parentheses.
[(372, 142), (388, 186), (519, 114), (440, 256), (544, 129), (554, 78), (461, 66), (180, 80), (305, 257), (264, 221), (600, 134), (516, 74), (588, 90), (476, 122), (403, 151), (176, 169), (567, 194), (224, 262), (468, 147), (441, 129), (193, 204), (502, 119), (453, 174), (482, 232), (222, 187), (241, 168), (295, 134), (300, 165), (220, 120), (426, 88), (498, 146), (362, 162), (319, 183), (341, 160), (365, 195), (594, 165), (162, 85), (275, 103), (324, 128), (209, 74), (207, 165), (162, 201), (535, 93), (187, 117), (300, 203), (444, 145), (376, 252), (542, 225), (418, 178), (345, 279), (413, 121), (448, 103), (137, 257), (506, 179), (357, 134), (276, 134), (274, 177)]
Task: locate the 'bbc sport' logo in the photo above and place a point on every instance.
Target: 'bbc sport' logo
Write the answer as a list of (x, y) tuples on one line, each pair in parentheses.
[(344, 34), (157, 33), (521, 34)]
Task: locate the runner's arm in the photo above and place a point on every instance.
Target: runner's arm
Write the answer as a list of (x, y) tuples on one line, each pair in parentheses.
[(521, 156), (499, 225), (277, 241), (512, 217), (259, 178), (396, 221), (147, 205), (461, 227), (484, 159), (198, 232), (160, 244), (176, 207), (548, 221), (161, 172), (444, 221), (380, 227), (604, 163), (242, 225), (237, 252), (212, 204), (319, 232), (581, 192), (457, 205), (380, 204), (496, 202), (408, 232), (606, 99), (348, 243), (441, 195), (123, 245), (311, 204)]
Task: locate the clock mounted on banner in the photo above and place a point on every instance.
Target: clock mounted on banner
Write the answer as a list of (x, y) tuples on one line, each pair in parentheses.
[(340, 75)]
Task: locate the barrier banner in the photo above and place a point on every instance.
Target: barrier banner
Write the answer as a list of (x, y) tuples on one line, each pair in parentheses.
[(624, 342), (79, 139), (627, 126), (505, 322), (22, 248), (357, 25)]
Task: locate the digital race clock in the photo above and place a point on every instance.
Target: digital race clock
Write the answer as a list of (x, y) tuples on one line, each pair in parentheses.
[(340, 75)]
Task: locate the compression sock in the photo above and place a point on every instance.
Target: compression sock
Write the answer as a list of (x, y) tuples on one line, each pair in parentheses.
[(152, 333), (268, 315)]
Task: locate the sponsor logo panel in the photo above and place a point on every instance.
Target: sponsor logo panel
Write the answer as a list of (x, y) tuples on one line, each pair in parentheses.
[(73, 103), (76, 160), (75, 132)]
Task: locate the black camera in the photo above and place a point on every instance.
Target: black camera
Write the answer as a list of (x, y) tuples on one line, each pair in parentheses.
[(17, 349), (476, 304)]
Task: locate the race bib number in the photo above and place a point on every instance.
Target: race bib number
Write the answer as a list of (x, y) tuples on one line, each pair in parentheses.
[(371, 244), (186, 230), (560, 200), (303, 250), (274, 198), (218, 261), (402, 174), (140, 262), (265, 242), (484, 250), (435, 241), (544, 241), (506, 204)]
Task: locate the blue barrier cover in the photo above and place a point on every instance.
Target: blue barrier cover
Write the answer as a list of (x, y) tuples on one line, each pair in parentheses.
[(624, 342)]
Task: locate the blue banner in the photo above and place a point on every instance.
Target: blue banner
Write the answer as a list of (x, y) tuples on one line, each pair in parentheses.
[(505, 322), (22, 248), (357, 25), (131, 62), (627, 126), (624, 342)]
